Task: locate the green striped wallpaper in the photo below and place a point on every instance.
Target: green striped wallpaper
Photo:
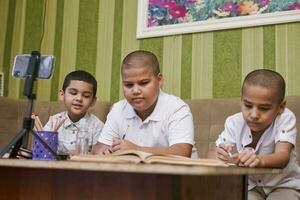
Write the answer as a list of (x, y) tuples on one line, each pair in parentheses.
[(95, 35)]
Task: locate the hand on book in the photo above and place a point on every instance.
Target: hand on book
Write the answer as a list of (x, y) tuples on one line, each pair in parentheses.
[(248, 158), (122, 144)]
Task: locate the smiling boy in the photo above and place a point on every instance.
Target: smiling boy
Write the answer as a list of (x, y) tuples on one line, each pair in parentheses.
[(264, 133), (147, 119), (78, 94)]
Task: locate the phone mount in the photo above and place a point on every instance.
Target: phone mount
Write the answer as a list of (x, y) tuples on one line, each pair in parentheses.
[(21, 139)]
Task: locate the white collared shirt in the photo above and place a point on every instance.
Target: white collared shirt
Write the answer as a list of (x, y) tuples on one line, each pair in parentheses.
[(68, 131), (171, 122), (283, 129)]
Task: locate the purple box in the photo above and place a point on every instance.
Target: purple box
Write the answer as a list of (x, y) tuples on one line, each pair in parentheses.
[(40, 152)]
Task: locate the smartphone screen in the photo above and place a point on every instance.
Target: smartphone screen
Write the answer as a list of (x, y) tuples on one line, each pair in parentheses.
[(21, 64)]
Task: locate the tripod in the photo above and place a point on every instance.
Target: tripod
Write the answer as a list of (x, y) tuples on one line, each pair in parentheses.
[(21, 139)]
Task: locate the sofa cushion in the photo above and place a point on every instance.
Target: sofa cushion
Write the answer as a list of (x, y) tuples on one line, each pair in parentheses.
[(11, 120)]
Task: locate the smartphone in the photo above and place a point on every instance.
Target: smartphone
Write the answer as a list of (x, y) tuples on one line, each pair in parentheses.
[(21, 64)]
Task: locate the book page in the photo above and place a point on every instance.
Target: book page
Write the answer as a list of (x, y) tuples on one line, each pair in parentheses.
[(107, 158), (180, 160), (141, 154), (122, 156)]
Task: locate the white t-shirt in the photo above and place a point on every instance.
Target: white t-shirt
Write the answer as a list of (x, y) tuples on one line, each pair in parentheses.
[(171, 122), (68, 130), (282, 129)]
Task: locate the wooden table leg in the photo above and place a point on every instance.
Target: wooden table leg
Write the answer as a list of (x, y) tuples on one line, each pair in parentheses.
[(245, 187)]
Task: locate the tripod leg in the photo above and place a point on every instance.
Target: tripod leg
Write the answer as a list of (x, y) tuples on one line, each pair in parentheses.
[(15, 143), (14, 151)]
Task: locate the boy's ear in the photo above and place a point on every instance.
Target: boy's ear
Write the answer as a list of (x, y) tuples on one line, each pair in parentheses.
[(61, 95), (160, 79), (282, 106), (94, 101)]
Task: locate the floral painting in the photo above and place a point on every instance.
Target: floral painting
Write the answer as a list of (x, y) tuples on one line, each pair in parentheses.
[(165, 12), (154, 15)]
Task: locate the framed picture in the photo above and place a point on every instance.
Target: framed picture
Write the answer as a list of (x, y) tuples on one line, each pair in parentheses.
[(169, 17)]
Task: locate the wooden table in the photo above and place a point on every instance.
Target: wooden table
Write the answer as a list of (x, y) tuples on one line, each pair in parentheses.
[(27, 179)]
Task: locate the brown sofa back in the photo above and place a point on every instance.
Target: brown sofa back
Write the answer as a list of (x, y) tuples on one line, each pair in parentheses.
[(12, 112), (209, 117), (210, 114)]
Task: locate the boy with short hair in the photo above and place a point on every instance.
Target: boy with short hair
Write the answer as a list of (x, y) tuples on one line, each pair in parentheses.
[(78, 94), (264, 135), (147, 119)]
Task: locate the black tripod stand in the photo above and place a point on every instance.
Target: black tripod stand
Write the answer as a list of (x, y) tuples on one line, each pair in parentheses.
[(21, 139)]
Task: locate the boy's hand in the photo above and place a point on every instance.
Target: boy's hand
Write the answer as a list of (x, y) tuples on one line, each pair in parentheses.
[(101, 149), (248, 158), (227, 153), (222, 152), (120, 144), (107, 152)]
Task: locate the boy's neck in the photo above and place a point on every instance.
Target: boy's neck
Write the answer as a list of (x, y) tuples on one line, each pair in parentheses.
[(75, 118), (255, 139), (146, 113), (256, 136)]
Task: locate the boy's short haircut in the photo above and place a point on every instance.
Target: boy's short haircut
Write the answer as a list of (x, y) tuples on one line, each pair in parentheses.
[(80, 75), (268, 79), (141, 58)]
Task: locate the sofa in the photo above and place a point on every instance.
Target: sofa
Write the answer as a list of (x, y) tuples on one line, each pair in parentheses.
[(208, 114)]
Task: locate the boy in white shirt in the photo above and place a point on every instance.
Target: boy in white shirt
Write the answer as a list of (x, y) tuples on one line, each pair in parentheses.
[(78, 94), (147, 119), (264, 135)]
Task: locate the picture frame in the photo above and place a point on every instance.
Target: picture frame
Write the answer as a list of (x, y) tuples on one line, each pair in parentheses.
[(154, 17)]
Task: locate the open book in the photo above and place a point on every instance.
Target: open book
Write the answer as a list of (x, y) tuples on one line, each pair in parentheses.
[(134, 156)]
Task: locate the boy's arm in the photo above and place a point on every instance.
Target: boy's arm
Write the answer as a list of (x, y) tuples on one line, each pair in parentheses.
[(100, 148), (278, 159), (181, 149)]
